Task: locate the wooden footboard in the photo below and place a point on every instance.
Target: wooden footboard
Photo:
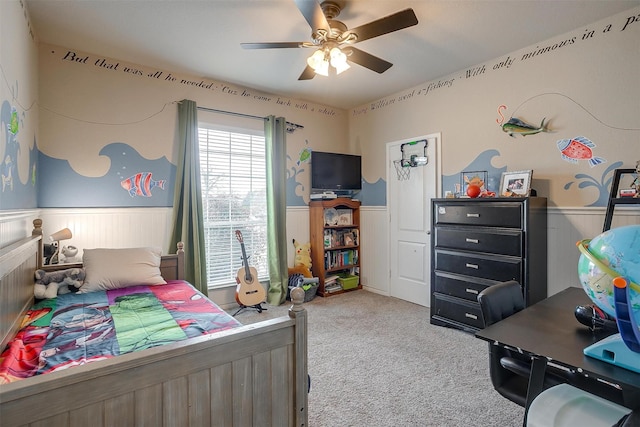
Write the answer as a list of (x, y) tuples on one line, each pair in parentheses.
[(254, 375)]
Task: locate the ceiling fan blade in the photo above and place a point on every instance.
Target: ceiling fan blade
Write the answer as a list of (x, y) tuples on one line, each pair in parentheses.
[(271, 45), (314, 15), (307, 74), (367, 60), (397, 21)]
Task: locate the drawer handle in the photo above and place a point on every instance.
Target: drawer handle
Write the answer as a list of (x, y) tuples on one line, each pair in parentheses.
[(472, 291), (471, 316), (471, 265), (468, 240), (473, 215)]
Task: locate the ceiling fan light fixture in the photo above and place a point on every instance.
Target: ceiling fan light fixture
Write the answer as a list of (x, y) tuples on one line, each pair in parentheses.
[(315, 59), (329, 34), (339, 60), (319, 62), (323, 68)]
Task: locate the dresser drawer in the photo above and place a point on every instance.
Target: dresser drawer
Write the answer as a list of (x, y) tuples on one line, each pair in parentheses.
[(503, 214), (502, 241), (493, 267), (458, 310), (464, 287)]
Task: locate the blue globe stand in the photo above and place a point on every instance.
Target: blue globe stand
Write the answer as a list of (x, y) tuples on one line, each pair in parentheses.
[(621, 349)]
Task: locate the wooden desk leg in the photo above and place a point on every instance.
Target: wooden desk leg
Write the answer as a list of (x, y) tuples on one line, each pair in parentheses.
[(536, 382)]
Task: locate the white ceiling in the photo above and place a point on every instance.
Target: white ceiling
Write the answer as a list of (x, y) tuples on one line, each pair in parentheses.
[(202, 38)]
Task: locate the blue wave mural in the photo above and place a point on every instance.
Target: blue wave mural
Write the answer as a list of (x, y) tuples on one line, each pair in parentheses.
[(603, 185), (481, 163), (132, 181)]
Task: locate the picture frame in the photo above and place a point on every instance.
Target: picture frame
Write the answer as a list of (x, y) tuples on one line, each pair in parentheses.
[(348, 239), (516, 183)]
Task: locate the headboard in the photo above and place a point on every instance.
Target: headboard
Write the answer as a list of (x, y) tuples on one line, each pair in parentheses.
[(20, 260), (171, 266)]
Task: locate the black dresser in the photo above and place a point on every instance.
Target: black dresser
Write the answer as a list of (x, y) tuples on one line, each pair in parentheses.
[(477, 243)]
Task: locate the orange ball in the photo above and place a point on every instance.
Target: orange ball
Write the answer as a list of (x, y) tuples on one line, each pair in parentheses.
[(473, 190)]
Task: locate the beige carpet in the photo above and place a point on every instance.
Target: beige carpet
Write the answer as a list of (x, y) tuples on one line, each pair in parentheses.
[(376, 361)]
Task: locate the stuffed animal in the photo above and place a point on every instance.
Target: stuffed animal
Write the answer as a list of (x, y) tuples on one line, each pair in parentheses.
[(69, 254), (54, 283), (300, 269), (303, 254)]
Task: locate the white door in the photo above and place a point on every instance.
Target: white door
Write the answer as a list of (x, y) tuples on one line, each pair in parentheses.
[(409, 207)]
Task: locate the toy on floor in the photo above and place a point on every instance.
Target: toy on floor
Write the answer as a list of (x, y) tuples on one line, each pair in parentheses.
[(51, 284), (303, 254), (300, 269)]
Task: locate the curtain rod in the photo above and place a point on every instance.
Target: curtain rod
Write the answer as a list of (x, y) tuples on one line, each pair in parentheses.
[(291, 127)]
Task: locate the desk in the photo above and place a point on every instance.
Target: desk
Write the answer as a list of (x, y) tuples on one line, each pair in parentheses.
[(549, 331)]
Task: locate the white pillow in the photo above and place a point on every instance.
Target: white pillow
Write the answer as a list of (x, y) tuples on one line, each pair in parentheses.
[(119, 268)]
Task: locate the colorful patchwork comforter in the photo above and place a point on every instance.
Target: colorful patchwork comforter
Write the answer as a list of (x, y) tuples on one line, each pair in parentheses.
[(76, 329)]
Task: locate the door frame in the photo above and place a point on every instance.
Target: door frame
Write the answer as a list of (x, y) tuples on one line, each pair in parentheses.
[(391, 174)]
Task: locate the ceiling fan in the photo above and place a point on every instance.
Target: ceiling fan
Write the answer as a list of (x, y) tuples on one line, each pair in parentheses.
[(334, 41)]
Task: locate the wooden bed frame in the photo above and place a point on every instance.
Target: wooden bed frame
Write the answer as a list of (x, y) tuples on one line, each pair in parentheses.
[(252, 375)]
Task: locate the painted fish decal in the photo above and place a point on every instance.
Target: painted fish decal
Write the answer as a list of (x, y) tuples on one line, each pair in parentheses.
[(305, 155), (578, 148), (516, 126), (13, 125), (141, 184)]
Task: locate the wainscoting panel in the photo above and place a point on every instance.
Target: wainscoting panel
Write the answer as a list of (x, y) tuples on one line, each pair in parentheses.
[(110, 228), (15, 225), (565, 228), (131, 227), (568, 226), (374, 244), (297, 228)]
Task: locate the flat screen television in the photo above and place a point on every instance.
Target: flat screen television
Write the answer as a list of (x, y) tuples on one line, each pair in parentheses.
[(335, 172)]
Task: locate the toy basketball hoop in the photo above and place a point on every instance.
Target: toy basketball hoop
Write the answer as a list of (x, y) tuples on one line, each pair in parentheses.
[(403, 170), (413, 154)]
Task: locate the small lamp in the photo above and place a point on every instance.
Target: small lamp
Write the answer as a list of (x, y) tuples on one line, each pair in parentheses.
[(64, 234)]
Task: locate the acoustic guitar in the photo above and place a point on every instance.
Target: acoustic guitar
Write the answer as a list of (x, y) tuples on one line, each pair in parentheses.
[(249, 291)]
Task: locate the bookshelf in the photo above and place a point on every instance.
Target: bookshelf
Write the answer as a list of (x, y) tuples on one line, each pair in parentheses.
[(334, 225)]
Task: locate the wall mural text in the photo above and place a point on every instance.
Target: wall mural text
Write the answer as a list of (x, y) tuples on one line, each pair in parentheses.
[(507, 62), (227, 89)]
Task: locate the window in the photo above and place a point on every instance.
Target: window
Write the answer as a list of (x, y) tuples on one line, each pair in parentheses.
[(233, 173)]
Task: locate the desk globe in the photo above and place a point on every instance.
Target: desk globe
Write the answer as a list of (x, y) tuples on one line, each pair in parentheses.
[(609, 271)]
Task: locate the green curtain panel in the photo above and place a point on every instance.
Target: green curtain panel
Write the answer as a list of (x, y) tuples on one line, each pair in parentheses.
[(274, 132), (188, 223)]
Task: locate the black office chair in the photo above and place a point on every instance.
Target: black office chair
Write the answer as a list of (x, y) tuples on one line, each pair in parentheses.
[(498, 302), (509, 369)]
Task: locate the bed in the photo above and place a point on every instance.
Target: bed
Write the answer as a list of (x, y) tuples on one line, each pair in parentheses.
[(241, 376)]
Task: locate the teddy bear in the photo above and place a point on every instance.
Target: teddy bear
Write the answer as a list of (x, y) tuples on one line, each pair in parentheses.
[(303, 254), (54, 283)]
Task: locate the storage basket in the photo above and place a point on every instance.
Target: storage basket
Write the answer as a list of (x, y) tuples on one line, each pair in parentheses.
[(295, 280), (349, 281)]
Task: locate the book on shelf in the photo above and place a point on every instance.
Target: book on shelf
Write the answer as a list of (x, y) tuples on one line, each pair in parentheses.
[(340, 238), (332, 288), (340, 258), (331, 278), (345, 216)]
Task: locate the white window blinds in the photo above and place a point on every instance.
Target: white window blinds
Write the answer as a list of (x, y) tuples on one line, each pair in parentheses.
[(233, 173)]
